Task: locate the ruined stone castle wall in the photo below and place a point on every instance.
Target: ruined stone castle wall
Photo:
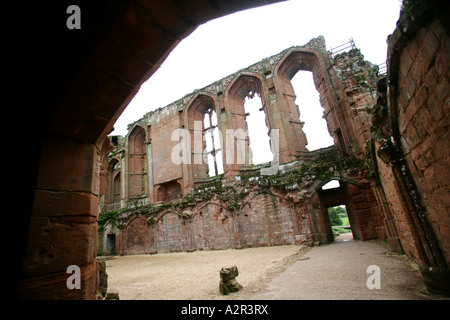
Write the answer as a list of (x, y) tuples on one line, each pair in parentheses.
[(418, 157), (167, 206), (266, 221), (423, 123)]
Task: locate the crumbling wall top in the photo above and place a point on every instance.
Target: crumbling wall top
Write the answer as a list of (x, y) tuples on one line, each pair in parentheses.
[(264, 67)]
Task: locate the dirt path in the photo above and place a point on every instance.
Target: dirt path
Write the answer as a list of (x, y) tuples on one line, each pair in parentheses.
[(336, 271), (340, 271), (344, 237)]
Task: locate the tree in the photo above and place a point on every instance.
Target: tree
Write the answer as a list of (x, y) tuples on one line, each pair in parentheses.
[(334, 213)]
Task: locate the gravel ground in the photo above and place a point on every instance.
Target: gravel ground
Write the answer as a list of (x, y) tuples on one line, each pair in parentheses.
[(190, 276), (339, 271), (335, 271)]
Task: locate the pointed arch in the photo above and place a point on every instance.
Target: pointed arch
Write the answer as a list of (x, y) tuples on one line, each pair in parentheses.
[(139, 236), (309, 59), (137, 162), (113, 193), (206, 144), (245, 86)]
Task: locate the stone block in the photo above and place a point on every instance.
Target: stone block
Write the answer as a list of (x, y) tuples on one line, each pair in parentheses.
[(49, 203), (67, 165), (228, 283), (405, 63), (56, 243), (103, 279), (229, 287), (53, 285), (227, 274)]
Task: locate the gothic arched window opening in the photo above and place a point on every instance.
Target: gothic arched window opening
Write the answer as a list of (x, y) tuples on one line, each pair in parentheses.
[(311, 111), (255, 117)]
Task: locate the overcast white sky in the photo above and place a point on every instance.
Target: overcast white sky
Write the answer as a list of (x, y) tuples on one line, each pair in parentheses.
[(223, 46)]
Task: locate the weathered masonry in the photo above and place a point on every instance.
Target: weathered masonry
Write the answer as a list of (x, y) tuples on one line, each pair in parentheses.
[(391, 153), (155, 204), (77, 85), (386, 139)]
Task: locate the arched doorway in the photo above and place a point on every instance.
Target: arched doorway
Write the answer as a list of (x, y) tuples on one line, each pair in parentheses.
[(364, 217), (337, 213), (329, 195), (110, 244)]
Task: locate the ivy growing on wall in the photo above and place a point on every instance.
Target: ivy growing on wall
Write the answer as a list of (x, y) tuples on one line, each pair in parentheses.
[(323, 165)]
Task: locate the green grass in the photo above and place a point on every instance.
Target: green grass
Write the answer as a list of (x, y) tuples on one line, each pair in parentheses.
[(341, 230), (344, 221)]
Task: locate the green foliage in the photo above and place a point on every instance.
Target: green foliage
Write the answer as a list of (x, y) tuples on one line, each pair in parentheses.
[(113, 217), (118, 218), (323, 165), (345, 221), (334, 217), (335, 214)]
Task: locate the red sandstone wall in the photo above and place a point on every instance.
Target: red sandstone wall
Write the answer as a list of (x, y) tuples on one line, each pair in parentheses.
[(138, 238), (398, 208), (213, 227), (358, 80), (345, 87), (366, 213), (424, 122), (70, 180), (264, 220), (163, 124)]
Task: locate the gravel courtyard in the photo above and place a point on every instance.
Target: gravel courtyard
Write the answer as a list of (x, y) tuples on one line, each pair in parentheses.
[(335, 271), (194, 275)]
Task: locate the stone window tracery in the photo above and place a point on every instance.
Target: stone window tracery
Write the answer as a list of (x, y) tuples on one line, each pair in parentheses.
[(137, 163), (206, 141), (212, 150)]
